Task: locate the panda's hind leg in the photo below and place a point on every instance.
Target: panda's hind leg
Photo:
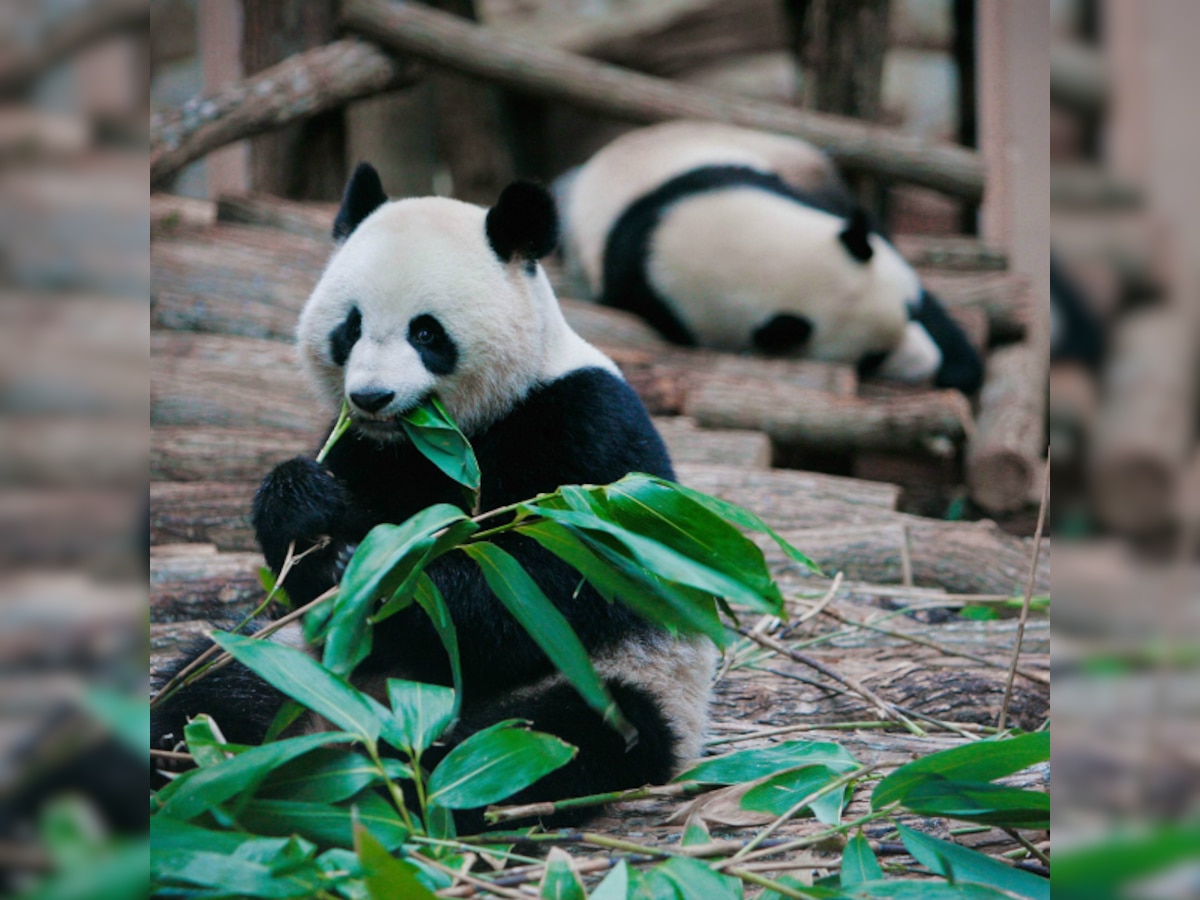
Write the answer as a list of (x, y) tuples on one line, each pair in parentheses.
[(603, 762)]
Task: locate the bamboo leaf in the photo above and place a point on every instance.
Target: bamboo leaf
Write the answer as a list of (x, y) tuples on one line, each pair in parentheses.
[(983, 802), (431, 600), (435, 435), (386, 877), (302, 678), (750, 765), (200, 790), (979, 761), (384, 559), (963, 865), (494, 764), (859, 863), (778, 794), (560, 882), (323, 823), (327, 775), (549, 628), (420, 713)]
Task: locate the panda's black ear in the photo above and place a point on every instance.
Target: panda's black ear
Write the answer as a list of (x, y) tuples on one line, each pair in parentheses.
[(523, 223), (854, 236), (364, 194)]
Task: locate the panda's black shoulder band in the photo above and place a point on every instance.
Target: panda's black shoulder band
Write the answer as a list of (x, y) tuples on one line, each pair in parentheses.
[(523, 223)]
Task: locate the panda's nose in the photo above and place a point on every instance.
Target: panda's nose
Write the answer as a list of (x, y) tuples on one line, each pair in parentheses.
[(371, 401)]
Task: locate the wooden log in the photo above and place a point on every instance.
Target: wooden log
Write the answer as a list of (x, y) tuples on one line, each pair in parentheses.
[(194, 581), (1144, 432), (217, 512), (199, 379), (203, 512), (1071, 415), (1079, 79), (1003, 296), (1005, 453), (1089, 188), (304, 218), (1135, 245), (171, 214), (868, 542), (212, 454), (840, 47), (24, 62), (665, 378), (954, 253), (553, 74), (610, 327), (299, 87), (818, 421), (663, 37)]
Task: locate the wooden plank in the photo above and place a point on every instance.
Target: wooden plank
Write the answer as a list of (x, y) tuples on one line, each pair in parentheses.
[(689, 444)]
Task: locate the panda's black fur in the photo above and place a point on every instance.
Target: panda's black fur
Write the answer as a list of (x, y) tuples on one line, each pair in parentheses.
[(587, 426)]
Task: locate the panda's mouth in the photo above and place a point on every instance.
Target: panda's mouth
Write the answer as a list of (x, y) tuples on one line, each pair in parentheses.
[(384, 428)]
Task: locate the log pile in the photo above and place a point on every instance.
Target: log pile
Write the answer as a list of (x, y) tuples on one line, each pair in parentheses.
[(227, 403)]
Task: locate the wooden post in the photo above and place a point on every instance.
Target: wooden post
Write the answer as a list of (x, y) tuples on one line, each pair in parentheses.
[(219, 22), (305, 160)]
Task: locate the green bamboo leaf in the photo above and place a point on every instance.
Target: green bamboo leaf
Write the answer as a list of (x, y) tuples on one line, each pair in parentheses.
[(615, 885), (173, 834), (420, 713), (688, 878), (200, 790), (779, 793), (743, 518), (695, 832), (915, 890), (127, 717), (435, 435), (664, 561), (494, 764), (327, 775), (431, 600), (382, 562), (979, 761), (661, 511), (447, 540), (386, 877), (615, 577), (751, 765), (983, 802), (963, 865), (231, 876), (325, 824), (560, 882), (859, 863), (204, 741), (302, 678), (1106, 869), (549, 628)]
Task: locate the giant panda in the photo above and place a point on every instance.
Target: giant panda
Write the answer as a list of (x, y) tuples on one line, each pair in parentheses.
[(733, 239), (434, 296)]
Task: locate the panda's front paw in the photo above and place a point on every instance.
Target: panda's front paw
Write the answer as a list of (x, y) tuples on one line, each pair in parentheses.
[(298, 501)]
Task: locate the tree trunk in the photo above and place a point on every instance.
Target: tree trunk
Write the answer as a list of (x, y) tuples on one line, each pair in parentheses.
[(304, 159)]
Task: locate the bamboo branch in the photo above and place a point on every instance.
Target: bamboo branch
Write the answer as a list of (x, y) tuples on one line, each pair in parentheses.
[(299, 87), (445, 40)]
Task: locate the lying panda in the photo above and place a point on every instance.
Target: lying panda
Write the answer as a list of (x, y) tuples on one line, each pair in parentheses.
[(433, 295), (733, 239)]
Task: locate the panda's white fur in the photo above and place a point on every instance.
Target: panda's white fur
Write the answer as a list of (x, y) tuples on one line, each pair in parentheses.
[(762, 268), (643, 159), (723, 262), (430, 254)]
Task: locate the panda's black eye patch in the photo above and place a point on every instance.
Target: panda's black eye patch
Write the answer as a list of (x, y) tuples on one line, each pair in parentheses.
[(343, 338), (436, 348)]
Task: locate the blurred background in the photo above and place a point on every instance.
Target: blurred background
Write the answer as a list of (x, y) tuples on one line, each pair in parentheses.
[(73, 443)]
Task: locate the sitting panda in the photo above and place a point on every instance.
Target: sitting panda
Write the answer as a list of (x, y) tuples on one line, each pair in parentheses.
[(738, 240), (435, 296)]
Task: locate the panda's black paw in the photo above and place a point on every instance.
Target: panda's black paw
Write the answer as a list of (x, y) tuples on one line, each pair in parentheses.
[(298, 501)]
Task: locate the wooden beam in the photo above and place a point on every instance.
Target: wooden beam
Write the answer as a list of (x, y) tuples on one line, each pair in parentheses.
[(547, 72)]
